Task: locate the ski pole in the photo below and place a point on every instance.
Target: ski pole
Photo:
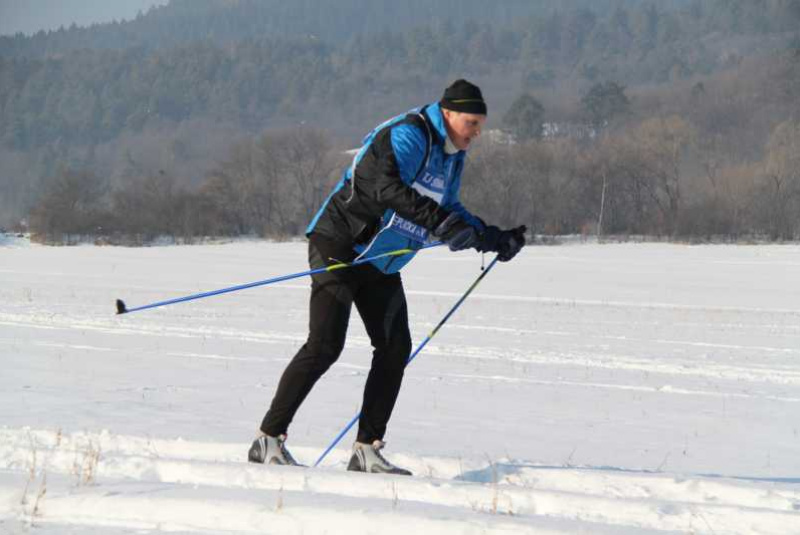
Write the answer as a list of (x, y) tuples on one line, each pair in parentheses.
[(352, 422), (123, 309)]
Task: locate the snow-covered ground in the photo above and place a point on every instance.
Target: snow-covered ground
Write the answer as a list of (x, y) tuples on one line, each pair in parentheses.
[(581, 389)]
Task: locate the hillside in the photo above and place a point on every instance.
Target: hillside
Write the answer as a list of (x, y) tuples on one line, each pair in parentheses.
[(181, 90)]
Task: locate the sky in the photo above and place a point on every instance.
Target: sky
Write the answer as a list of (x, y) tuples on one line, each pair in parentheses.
[(30, 16)]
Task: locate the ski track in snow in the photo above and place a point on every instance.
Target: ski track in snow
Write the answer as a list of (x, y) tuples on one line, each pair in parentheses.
[(100, 479), (596, 359)]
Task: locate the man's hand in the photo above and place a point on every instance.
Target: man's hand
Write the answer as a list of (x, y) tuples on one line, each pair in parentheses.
[(506, 243), (510, 243), (456, 233)]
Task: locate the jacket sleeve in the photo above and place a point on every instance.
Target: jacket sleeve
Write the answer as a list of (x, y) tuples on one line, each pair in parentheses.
[(399, 153), (475, 221)]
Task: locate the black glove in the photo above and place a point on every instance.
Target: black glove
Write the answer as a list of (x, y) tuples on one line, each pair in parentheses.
[(506, 243), (487, 241), (510, 243), (456, 233)]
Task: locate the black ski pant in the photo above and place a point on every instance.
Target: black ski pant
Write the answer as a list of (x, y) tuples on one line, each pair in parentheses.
[(381, 303)]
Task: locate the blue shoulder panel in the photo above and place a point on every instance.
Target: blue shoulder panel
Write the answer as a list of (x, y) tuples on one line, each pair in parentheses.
[(409, 146)]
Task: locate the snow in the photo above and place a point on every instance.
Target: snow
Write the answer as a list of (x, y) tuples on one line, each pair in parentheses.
[(626, 388)]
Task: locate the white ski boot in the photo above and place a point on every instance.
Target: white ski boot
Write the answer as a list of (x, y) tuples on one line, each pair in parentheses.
[(368, 458), (271, 450)]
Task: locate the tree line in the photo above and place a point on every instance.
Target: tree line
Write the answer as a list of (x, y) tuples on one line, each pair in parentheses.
[(585, 83), (653, 179), (181, 22), (680, 172), (267, 187), (92, 95)]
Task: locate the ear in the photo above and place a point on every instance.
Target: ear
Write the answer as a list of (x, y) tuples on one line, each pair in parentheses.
[(449, 115)]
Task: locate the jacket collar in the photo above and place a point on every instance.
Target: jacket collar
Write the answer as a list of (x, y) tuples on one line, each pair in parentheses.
[(434, 115)]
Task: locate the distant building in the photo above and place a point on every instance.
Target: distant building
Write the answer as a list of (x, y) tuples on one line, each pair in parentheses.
[(499, 137), (568, 131)]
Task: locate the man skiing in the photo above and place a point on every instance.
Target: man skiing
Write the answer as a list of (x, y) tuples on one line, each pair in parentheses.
[(400, 191)]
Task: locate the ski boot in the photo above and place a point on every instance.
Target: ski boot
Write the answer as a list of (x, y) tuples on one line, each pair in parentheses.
[(271, 450), (368, 458)]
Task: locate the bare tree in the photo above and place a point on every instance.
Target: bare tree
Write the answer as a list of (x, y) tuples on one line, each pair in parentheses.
[(298, 166), (663, 145), (272, 185), (69, 207), (782, 173), (150, 206), (510, 185)]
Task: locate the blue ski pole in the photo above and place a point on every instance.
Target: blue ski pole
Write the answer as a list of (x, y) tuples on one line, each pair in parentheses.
[(352, 422), (123, 309)]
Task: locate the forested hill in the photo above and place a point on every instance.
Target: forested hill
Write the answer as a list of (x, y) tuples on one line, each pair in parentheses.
[(333, 21), (86, 86), (167, 95)]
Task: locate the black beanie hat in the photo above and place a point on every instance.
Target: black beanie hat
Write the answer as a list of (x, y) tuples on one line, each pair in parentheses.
[(464, 97)]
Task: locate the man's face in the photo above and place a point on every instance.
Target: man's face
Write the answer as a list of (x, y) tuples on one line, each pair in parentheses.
[(463, 128)]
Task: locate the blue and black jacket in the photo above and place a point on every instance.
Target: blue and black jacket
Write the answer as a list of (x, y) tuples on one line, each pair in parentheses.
[(401, 185)]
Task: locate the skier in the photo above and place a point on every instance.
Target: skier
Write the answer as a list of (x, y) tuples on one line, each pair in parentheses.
[(401, 190)]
